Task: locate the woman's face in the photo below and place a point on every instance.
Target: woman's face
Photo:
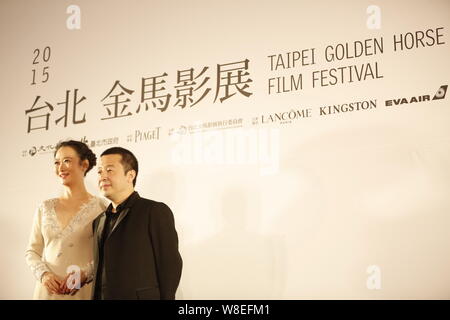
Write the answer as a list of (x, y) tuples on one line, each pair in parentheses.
[(68, 166)]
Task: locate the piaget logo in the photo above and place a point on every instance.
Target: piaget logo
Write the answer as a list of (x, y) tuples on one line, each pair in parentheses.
[(440, 94)]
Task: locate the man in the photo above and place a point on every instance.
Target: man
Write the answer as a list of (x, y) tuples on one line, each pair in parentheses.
[(135, 242)]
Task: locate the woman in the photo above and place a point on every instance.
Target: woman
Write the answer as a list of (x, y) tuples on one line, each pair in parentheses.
[(61, 238)]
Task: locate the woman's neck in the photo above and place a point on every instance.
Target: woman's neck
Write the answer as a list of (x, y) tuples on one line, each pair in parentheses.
[(75, 192)]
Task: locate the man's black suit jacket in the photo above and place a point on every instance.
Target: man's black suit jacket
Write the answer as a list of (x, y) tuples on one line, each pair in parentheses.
[(141, 257)]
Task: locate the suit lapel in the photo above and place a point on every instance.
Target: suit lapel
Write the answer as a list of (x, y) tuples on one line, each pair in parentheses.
[(122, 215), (100, 226), (97, 239)]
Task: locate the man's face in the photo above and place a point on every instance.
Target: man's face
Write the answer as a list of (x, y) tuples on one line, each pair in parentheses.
[(112, 179)]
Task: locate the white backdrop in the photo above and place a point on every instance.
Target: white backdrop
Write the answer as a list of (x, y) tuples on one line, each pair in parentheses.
[(278, 192)]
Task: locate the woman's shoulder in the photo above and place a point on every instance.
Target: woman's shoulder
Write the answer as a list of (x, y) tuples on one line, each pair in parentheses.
[(48, 204), (44, 208), (101, 202)]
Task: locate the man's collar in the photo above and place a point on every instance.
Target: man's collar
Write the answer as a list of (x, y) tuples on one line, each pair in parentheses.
[(128, 203)]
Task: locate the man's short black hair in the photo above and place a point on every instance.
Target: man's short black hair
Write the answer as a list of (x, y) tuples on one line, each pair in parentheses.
[(129, 161)]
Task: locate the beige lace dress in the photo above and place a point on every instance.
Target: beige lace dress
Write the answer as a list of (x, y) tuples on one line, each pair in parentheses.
[(61, 250)]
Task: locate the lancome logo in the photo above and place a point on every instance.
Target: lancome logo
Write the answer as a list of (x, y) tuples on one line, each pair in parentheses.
[(283, 117)]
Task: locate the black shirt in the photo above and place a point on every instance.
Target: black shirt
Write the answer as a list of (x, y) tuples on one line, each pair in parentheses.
[(110, 222)]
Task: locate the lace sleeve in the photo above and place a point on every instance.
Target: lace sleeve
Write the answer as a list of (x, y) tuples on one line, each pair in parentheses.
[(33, 253), (89, 268), (89, 271)]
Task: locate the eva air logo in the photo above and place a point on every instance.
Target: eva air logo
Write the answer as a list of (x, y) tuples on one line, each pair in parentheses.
[(440, 94)]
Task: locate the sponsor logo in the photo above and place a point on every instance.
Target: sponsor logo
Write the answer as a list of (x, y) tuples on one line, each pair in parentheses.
[(440, 94)]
